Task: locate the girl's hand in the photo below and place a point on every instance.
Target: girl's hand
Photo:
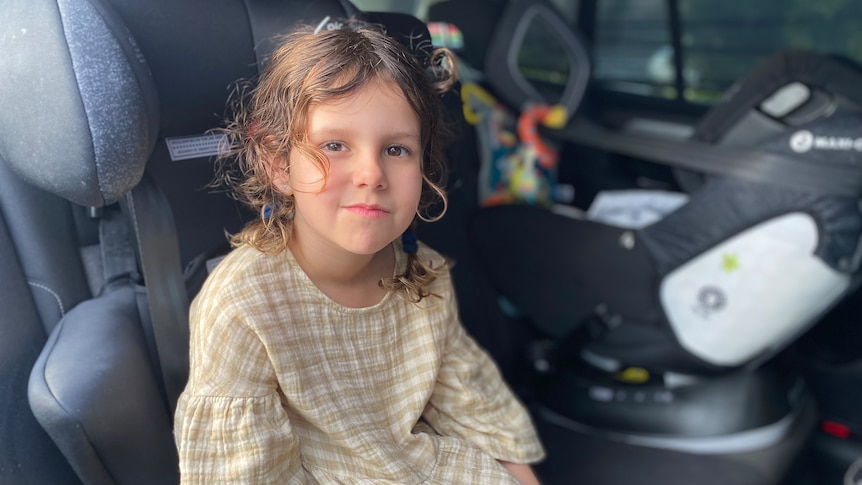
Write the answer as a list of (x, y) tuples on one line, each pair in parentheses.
[(522, 472)]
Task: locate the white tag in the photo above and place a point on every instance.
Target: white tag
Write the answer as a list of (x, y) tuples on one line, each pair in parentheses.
[(634, 209), (194, 146)]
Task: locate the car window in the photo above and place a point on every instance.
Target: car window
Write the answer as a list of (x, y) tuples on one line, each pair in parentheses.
[(568, 8), (633, 50), (543, 60), (723, 41), (413, 7), (719, 41), (636, 42)]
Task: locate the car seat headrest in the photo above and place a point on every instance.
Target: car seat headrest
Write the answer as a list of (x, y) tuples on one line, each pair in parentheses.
[(270, 19), (476, 19), (515, 42), (498, 38), (78, 108), (408, 30)]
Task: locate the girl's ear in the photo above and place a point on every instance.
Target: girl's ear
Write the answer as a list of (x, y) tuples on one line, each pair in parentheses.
[(279, 173)]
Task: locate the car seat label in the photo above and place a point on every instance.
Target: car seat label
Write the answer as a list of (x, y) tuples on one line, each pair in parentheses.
[(195, 146), (804, 141)]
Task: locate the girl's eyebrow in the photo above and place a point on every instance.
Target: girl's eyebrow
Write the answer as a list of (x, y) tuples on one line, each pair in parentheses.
[(342, 133), (404, 134)]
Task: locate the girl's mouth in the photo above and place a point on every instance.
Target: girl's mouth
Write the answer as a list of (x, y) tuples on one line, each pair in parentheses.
[(369, 211)]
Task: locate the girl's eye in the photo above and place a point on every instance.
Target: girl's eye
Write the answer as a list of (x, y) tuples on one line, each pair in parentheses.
[(397, 151), (333, 146)]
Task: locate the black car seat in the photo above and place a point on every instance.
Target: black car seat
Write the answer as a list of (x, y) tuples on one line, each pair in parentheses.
[(625, 268), (106, 161), (86, 141), (49, 247)]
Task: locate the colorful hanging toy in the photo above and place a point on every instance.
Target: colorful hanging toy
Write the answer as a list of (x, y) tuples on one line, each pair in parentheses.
[(518, 166)]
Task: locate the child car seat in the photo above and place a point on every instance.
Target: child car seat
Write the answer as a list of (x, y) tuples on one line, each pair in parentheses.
[(651, 275), (654, 329), (110, 170)]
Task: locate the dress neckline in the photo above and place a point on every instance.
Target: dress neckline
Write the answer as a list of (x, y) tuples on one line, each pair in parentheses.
[(400, 266)]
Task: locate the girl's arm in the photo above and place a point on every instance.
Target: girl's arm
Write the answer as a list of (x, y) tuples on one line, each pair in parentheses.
[(522, 472), (471, 400), (230, 425)]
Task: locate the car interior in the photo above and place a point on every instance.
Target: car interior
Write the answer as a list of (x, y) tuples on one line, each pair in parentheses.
[(672, 305)]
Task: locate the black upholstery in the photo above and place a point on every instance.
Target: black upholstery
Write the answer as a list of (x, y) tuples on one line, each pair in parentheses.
[(197, 51), (96, 392), (27, 455), (49, 243), (42, 278)]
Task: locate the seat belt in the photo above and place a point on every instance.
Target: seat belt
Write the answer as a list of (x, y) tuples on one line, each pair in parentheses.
[(151, 220), (759, 166), (115, 246)]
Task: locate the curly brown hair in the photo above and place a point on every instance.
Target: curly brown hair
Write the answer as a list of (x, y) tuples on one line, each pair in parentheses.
[(269, 121)]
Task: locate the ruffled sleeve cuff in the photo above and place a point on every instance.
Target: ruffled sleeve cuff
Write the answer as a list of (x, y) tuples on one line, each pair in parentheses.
[(236, 440), (472, 401)]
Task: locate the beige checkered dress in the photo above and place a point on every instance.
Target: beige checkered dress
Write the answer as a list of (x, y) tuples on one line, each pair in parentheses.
[(289, 387)]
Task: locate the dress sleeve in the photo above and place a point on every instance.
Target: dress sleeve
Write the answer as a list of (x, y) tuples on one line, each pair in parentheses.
[(230, 425), (472, 401)]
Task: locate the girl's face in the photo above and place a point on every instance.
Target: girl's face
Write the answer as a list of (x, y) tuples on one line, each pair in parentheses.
[(372, 140)]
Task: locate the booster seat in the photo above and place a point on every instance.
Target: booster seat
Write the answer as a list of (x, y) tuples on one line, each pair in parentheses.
[(106, 158)]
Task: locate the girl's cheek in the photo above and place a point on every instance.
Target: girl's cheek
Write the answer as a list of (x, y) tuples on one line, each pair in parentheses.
[(307, 179), (312, 186)]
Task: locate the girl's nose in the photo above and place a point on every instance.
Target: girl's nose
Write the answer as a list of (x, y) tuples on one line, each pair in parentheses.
[(368, 171)]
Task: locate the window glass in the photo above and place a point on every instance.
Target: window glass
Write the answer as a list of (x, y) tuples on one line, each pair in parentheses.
[(633, 48), (723, 41), (542, 59), (568, 10), (401, 6)]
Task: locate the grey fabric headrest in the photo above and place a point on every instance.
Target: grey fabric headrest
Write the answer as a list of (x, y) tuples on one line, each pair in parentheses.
[(78, 107)]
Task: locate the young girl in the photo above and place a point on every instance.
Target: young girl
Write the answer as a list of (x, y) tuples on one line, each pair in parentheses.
[(326, 347)]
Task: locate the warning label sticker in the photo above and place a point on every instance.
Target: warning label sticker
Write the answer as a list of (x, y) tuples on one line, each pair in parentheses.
[(195, 146)]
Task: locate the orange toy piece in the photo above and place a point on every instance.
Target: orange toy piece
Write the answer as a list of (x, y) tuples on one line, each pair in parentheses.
[(528, 123)]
